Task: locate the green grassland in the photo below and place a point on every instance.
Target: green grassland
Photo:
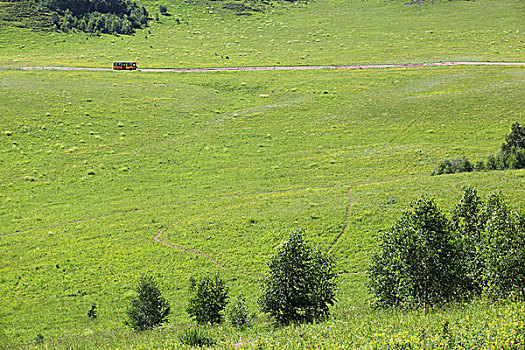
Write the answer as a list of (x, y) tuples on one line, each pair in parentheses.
[(319, 33), (96, 163), (226, 164)]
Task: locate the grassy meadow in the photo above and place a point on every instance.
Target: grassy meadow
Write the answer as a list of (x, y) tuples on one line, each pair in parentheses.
[(226, 164)]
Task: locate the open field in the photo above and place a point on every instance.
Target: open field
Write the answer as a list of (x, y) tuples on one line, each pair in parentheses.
[(228, 163), (224, 165)]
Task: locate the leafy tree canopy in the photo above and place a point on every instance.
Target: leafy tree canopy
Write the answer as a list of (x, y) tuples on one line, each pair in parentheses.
[(208, 298), (149, 308), (300, 284)]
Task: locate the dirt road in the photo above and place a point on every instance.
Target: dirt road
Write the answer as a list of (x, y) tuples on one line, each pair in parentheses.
[(225, 69)]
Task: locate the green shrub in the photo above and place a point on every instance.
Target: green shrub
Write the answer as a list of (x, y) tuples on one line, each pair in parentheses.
[(196, 336), (38, 339), (92, 312), (516, 158), (480, 166), (149, 308), (417, 261), (55, 19), (463, 165), (512, 152), (444, 167), (300, 284), (208, 298), (491, 163), (238, 313), (448, 166), (501, 160), (127, 27), (515, 139)]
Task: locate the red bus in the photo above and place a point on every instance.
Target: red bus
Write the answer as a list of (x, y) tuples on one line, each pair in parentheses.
[(124, 65)]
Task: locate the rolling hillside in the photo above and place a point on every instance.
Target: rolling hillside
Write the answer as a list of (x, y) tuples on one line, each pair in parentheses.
[(221, 166)]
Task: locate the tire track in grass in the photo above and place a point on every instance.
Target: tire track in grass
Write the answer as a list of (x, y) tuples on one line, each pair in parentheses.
[(204, 255), (347, 222), (169, 204), (122, 212), (179, 248), (158, 239), (79, 221)]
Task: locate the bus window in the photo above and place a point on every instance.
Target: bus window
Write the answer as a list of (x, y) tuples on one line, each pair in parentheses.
[(125, 65)]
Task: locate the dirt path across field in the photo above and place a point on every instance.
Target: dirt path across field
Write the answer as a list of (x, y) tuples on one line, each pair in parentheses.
[(179, 248), (158, 239), (347, 222), (224, 69)]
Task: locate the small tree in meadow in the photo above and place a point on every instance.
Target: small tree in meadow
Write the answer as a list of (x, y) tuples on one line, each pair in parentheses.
[(300, 284), (238, 312), (149, 308), (417, 261), (503, 250), (425, 260), (208, 298), (92, 312), (515, 139)]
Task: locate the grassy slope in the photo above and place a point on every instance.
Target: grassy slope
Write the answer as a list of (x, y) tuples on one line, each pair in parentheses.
[(94, 164), (23, 14), (323, 32), (225, 170)]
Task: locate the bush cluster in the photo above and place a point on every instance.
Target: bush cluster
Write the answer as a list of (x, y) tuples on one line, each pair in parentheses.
[(491, 242), (428, 258), (452, 166), (80, 7), (510, 156), (299, 287), (97, 16)]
